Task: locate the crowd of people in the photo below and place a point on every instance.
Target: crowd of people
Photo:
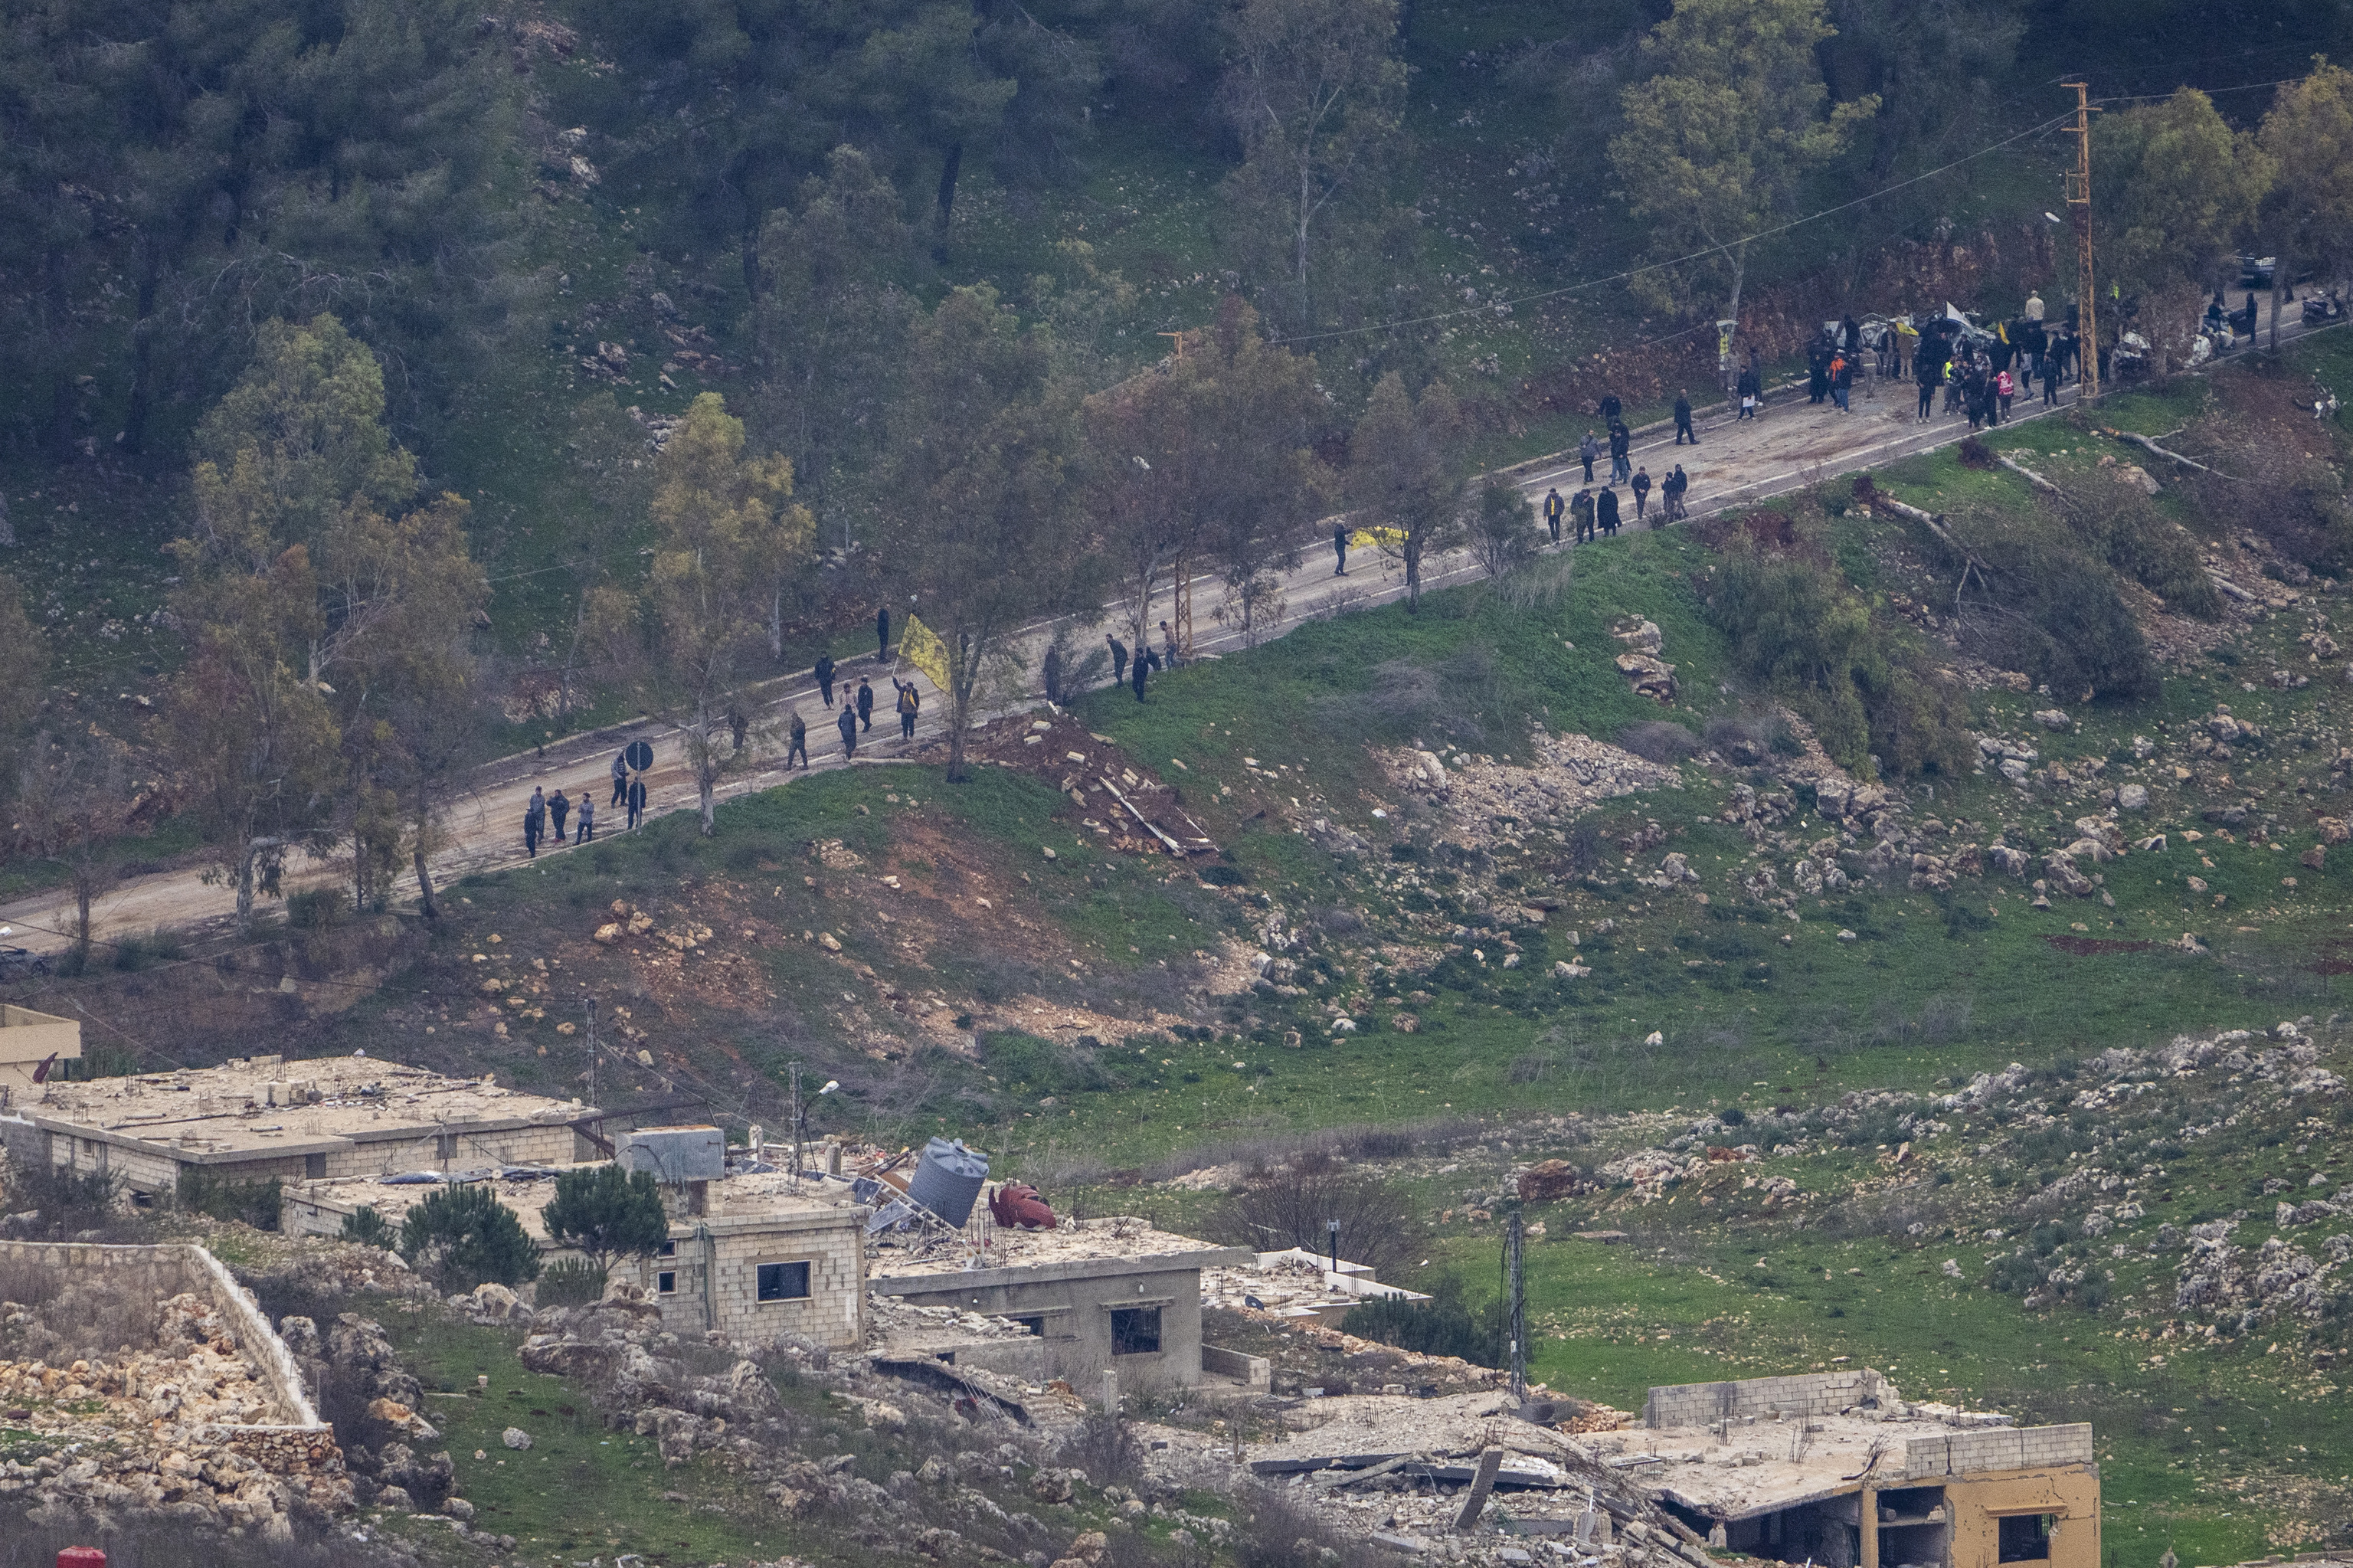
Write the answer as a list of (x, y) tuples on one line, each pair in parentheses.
[(1981, 372)]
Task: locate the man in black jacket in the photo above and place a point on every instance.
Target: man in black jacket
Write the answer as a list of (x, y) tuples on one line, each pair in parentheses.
[(1605, 508), (1683, 420), (1553, 508), (824, 676)]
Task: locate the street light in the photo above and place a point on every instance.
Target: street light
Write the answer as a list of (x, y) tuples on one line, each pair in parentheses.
[(1332, 1235)]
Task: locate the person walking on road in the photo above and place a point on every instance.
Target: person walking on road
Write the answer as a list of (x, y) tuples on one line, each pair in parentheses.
[(1841, 381), (1683, 420), (1135, 675), (1642, 492), (1582, 507), (1672, 491), (2051, 381), (557, 809), (1586, 450), (1605, 509), (847, 724), (620, 777), (1553, 508), (1053, 672), (1118, 660), (1610, 409), (535, 822), (1622, 441), (587, 818), (1340, 551), (796, 741), (2004, 388), (637, 802), (1747, 389), (1924, 367), (910, 702), (825, 677), (865, 705), (881, 633), (1168, 642)]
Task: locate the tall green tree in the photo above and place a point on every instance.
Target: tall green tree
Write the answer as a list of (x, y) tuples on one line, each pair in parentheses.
[(329, 612), (2174, 189), (687, 641), (981, 520), (606, 1213), (1719, 141), (2307, 216), (1407, 463), (1315, 91), (832, 317)]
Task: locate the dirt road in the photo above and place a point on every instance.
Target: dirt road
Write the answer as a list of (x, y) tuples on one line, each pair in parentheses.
[(1791, 445)]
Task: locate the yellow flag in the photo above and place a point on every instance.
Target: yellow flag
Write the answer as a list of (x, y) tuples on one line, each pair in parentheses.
[(921, 646)]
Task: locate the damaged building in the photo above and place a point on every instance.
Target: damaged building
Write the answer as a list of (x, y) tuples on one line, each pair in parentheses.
[(1839, 1469), (752, 1253), (255, 1119)]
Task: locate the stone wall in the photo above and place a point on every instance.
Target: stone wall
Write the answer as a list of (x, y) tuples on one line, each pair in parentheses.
[(161, 1272)]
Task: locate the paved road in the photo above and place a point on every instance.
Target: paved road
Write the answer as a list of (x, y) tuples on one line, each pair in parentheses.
[(1791, 445)]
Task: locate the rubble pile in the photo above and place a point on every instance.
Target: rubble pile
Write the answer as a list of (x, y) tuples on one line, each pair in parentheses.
[(1570, 774), (168, 1429)]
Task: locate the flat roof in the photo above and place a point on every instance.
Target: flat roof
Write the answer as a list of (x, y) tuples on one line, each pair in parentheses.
[(1762, 1444), (1072, 1249), (200, 1112), (736, 1203)]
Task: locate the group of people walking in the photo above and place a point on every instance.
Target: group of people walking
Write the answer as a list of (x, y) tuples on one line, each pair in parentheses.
[(1982, 375), (559, 811), (1596, 513)]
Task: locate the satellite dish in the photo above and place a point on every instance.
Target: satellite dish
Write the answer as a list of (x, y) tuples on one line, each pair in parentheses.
[(639, 756)]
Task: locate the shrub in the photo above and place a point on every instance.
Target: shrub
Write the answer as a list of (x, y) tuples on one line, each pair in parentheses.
[(1800, 628), (316, 909), (571, 1282), (256, 1204), (1290, 1205), (462, 1236), (1442, 1326), (1657, 740), (368, 1228), (67, 1201)]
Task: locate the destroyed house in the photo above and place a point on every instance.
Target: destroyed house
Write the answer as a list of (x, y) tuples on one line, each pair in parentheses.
[(1839, 1470), (258, 1118)]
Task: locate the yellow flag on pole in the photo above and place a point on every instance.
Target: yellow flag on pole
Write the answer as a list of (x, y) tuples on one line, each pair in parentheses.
[(922, 647)]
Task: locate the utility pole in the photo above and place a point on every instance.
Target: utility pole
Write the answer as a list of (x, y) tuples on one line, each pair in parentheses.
[(592, 1051), (1516, 1305), (1183, 595), (2079, 209), (797, 1123)]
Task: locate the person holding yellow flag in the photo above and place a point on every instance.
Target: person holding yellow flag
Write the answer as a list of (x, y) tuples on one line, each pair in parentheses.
[(910, 702)]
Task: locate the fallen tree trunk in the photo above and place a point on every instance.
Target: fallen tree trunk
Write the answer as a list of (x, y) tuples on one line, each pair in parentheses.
[(2147, 445), (2027, 473)]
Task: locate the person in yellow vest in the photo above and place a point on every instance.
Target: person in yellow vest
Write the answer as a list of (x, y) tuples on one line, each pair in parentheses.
[(910, 702)]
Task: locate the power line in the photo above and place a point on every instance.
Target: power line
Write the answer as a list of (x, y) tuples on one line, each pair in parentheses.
[(1494, 305)]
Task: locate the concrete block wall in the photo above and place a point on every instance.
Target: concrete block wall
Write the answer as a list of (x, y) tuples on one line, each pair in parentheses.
[(832, 1314), (1999, 1448), (1807, 1395)]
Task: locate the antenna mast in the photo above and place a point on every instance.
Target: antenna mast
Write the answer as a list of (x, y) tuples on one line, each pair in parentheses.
[(2079, 209)]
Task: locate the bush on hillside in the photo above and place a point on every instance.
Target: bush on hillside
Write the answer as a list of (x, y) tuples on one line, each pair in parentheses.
[(1442, 1326), (257, 1203), (1800, 629)]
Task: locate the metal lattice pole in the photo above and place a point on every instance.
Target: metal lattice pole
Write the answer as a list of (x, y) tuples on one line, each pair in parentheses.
[(1516, 1305)]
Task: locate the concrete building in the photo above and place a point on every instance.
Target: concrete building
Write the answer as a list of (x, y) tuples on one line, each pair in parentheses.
[(33, 1043), (752, 1255), (255, 1117), (1837, 1468), (1097, 1295)]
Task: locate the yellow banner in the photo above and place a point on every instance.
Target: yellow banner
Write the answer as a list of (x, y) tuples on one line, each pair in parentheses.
[(921, 646)]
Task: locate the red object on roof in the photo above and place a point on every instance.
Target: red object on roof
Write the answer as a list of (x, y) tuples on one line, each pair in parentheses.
[(81, 1557), (1018, 1206)]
